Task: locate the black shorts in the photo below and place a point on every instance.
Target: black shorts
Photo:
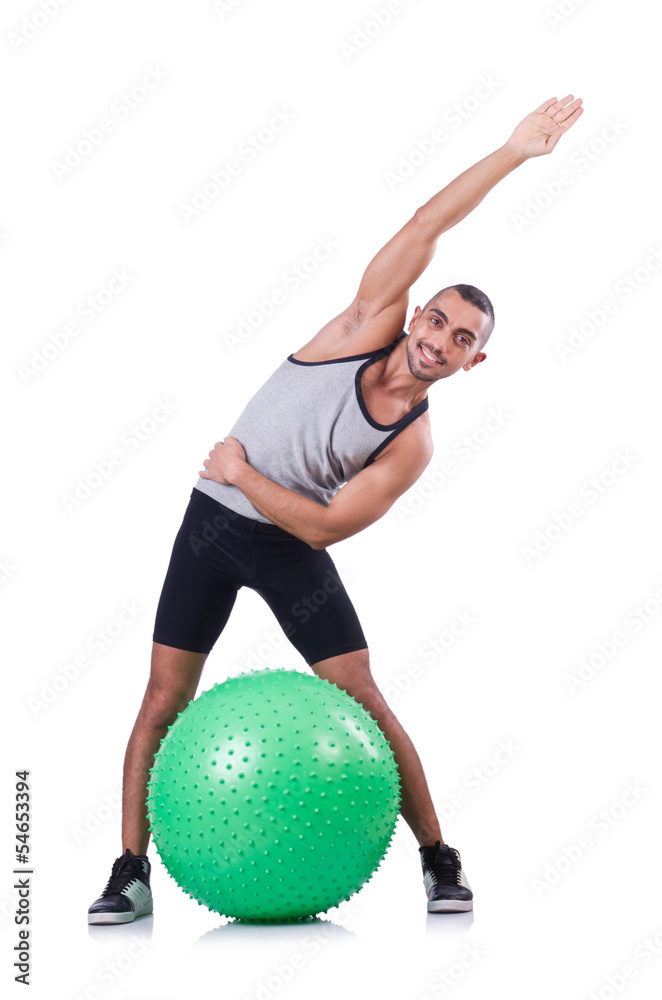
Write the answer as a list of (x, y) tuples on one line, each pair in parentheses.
[(217, 551)]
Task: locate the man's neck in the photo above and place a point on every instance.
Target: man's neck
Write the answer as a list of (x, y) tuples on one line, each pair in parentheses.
[(395, 378)]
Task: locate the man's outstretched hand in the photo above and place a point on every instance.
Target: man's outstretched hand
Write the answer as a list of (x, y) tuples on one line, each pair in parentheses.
[(540, 131)]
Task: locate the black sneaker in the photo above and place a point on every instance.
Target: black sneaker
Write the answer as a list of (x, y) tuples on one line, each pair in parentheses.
[(445, 883), (127, 894)]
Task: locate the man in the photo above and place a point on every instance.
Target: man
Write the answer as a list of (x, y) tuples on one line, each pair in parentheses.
[(322, 450)]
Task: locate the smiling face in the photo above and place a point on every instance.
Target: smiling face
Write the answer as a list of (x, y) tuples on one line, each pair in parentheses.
[(446, 336)]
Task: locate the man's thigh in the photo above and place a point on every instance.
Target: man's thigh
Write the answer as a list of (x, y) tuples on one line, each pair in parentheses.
[(205, 572), (173, 682), (303, 588), (351, 672)]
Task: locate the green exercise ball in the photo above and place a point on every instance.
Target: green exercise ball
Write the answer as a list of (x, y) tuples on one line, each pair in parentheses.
[(273, 796)]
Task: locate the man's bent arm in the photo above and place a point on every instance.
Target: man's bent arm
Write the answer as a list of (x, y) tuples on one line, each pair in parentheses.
[(289, 510), (360, 502)]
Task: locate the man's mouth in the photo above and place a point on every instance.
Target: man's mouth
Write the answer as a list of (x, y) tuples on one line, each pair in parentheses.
[(428, 357)]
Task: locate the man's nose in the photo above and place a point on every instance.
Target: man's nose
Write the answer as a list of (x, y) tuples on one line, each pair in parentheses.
[(438, 346)]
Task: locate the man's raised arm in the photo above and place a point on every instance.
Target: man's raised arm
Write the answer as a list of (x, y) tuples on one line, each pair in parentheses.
[(401, 261)]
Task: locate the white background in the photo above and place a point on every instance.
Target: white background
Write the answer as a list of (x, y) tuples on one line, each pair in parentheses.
[(550, 919)]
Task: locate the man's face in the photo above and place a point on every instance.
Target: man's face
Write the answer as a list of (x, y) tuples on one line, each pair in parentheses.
[(445, 338)]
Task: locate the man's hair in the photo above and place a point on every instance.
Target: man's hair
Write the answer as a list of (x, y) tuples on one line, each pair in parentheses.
[(473, 295)]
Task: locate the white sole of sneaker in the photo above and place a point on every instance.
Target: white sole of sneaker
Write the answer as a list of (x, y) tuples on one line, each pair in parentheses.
[(121, 918), (450, 905)]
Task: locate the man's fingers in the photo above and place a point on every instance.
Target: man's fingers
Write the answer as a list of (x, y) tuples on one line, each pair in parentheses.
[(566, 112), (560, 129), (544, 106), (551, 107), (572, 118)]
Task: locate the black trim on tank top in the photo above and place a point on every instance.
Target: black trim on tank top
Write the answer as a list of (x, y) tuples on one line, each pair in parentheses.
[(352, 357), (403, 421), (406, 420)]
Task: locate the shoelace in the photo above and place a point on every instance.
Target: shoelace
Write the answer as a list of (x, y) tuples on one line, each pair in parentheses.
[(444, 865), (124, 870)]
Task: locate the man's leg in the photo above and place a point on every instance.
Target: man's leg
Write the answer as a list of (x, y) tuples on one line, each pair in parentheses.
[(302, 587), (351, 672), (173, 681), (196, 599)]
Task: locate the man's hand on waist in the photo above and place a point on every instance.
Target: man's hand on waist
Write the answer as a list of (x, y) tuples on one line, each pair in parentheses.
[(225, 461)]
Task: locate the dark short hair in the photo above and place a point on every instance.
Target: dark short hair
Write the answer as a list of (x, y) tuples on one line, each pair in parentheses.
[(473, 295)]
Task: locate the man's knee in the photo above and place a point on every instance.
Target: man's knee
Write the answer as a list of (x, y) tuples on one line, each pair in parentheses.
[(371, 698), (162, 705), (351, 672), (172, 684)]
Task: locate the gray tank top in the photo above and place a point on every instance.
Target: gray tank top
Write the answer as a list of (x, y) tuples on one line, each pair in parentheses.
[(308, 429)]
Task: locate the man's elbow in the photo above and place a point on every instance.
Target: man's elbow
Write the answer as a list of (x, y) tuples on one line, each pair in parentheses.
[(325, 534), (423, 220), (321, 539)]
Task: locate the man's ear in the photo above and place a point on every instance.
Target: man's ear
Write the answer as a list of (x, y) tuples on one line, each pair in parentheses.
[(476, 360), (417, 312)]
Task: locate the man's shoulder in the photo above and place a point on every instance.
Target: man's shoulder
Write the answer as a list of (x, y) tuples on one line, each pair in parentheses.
[(350, 333), (412, 446)]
